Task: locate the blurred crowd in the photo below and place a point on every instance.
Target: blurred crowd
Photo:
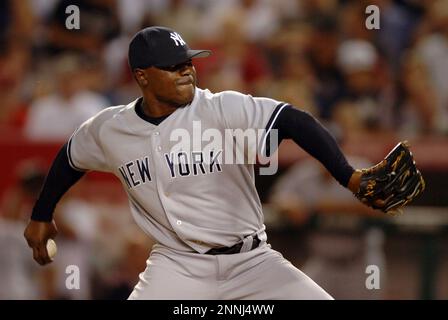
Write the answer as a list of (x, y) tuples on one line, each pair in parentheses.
[(317, 55), (96, 236)]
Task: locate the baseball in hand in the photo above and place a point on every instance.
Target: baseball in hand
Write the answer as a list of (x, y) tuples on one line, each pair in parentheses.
[(51, 248)]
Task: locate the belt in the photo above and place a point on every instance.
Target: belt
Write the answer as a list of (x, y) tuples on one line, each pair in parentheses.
[(235, 248)]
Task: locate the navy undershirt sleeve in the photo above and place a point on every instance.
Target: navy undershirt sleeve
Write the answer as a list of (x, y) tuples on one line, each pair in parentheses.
[(315, 139), (59, 179)]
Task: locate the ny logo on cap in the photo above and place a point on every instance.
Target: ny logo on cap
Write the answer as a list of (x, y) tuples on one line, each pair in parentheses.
[(177, 39)]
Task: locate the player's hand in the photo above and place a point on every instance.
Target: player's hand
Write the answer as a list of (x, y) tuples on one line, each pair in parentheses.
[(390, 184), (37, 234)]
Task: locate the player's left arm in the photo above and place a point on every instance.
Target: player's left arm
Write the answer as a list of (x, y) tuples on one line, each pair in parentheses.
[(244, 111), (388, 186), (315, 139)]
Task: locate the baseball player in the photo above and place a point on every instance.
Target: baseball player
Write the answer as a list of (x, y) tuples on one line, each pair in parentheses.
[(203, 212)]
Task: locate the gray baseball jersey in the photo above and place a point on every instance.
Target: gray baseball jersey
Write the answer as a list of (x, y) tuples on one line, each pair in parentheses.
[(191, 205)]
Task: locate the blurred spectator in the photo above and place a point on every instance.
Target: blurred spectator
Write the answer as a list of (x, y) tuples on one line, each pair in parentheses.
[(20, 277), (367, 103), (341, 243), (398, 23), (135, 249), (43, 8), (16, 21), (433, 50), (77, 227), (99, 23), (120, 84), (55, 117), (258, 19), (293, 37), (352, 21), (418, 114), (235, 64), (294, 78), (14, 61), (295, 84), (179, 15), (131, 17), (322, 54)]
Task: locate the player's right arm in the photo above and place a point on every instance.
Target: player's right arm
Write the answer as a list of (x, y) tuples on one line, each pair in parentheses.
[(81, 153), (42, 227)]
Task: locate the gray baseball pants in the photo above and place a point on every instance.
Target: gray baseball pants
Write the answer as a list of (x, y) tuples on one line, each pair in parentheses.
[(259, 274)]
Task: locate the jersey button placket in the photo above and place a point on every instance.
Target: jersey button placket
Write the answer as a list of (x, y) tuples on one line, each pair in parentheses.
[(156, 141)]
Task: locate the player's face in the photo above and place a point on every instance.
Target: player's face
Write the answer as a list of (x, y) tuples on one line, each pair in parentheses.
[(174, 85)]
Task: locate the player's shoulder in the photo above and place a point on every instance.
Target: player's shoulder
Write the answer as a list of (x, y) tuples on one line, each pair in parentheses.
[(228, 95), (109, 112), (106, 115), (208, 100), (222, 98)]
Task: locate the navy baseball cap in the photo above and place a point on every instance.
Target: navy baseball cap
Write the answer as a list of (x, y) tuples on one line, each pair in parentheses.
[(160, 47)]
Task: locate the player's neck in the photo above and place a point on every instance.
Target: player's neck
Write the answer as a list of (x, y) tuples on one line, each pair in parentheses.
[(155, 108)]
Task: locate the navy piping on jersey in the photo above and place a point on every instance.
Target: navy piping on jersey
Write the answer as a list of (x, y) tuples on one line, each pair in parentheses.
[(69, 155), (265, 146), (312, 137), (274, 116)]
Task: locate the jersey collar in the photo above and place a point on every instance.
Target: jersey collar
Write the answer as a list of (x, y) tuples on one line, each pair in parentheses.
[(139, 111)]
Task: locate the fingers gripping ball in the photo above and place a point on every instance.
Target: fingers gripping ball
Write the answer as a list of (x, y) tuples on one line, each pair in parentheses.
[(392, 183), (51, 248)]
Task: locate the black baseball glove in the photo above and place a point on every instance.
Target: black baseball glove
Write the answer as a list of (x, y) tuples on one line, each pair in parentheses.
[(393, 182)]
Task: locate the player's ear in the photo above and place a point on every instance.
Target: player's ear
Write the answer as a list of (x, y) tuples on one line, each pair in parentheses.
[(141, 78)]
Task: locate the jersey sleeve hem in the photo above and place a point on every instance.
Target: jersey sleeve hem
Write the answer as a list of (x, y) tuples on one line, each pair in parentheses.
[(70, 159), (270, 124)]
